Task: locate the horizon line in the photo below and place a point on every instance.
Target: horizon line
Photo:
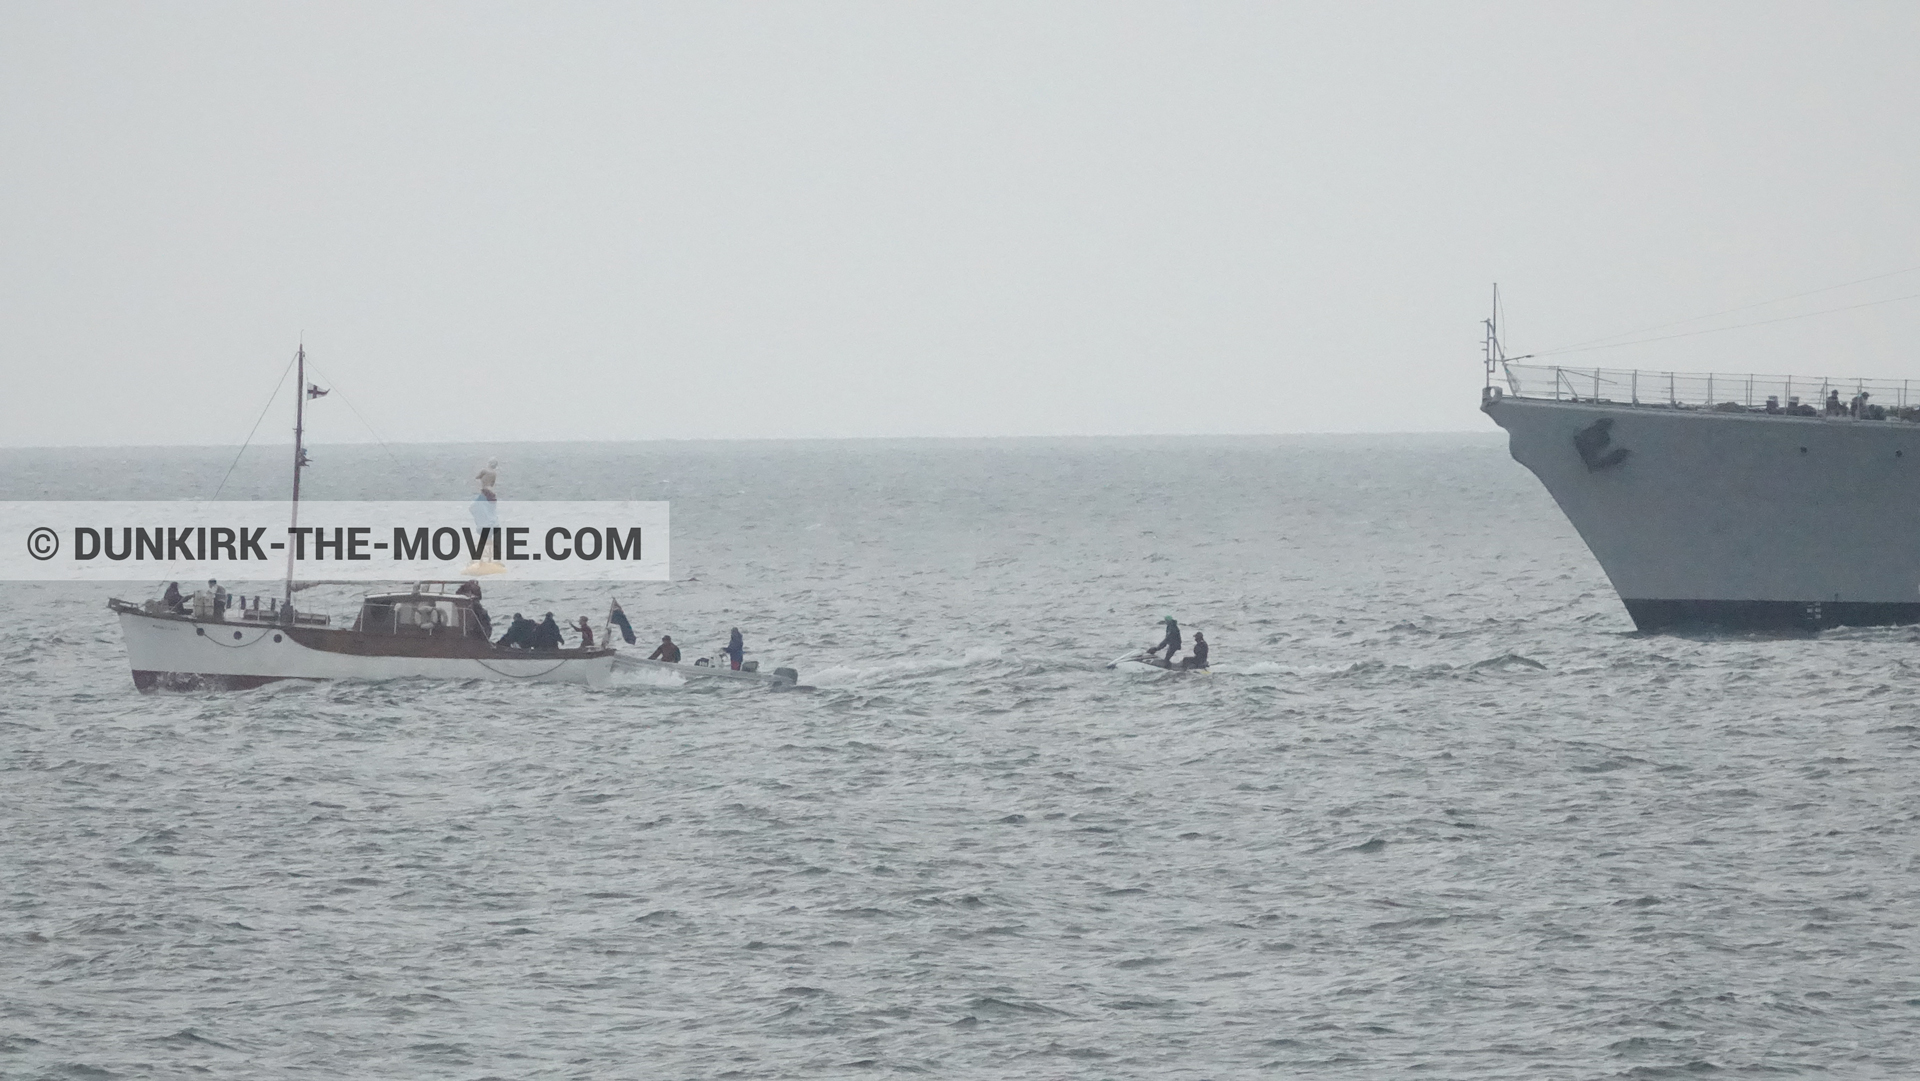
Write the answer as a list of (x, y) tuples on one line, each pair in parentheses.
[(4, 447)]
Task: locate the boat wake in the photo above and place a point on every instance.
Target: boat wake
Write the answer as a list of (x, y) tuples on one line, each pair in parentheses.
[(852, 676)]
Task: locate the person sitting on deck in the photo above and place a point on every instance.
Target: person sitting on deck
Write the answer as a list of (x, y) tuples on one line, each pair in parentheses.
[(665, 651), (519, 634), (547, 635), (1197, 656)]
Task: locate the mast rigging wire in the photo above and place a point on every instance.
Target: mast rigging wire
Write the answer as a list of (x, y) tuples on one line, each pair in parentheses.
[(255, 428), (362, 418), (1717, 330), (1575, 346)]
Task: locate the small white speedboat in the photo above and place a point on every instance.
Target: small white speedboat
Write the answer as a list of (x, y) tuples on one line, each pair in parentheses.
[(779, 679)]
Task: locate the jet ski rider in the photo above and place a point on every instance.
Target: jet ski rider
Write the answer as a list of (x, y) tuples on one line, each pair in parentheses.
[(1197, 658), (1171, 643)]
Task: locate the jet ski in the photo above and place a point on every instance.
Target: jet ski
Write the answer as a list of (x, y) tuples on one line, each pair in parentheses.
[(1149, 662)]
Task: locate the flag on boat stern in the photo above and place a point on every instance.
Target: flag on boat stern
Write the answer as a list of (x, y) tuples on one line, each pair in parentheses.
[(619, 619)]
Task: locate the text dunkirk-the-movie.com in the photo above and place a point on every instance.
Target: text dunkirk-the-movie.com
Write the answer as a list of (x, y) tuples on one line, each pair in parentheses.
[(601, 540)]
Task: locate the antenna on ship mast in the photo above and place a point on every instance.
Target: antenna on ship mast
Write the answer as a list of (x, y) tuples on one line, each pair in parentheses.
[(299, 462)]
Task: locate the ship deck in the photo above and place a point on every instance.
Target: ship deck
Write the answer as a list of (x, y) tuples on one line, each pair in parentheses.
[(1783, 397)]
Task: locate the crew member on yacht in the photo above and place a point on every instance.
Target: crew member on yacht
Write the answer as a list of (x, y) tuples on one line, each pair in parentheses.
[(519, 633), (547, 635)]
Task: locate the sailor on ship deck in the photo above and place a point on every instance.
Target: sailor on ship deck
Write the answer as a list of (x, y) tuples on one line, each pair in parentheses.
[(665, 651)]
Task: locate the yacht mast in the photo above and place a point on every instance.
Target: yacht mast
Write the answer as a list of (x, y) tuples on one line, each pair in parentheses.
[(299, 461)]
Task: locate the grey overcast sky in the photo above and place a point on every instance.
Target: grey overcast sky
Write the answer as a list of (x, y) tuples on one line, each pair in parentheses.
[(626, 221)]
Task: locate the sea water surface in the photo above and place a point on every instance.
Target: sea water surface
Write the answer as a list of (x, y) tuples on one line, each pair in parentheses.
[(1438, 811)]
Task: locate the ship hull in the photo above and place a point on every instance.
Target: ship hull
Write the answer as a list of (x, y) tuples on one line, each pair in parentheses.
[(181, 653), (1733, 521)]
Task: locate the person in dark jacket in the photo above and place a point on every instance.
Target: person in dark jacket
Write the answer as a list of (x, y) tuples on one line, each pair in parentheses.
[(519, 633), (736, 648), (547, 635), (482, 621), (1197, 657), (1171, 643), (172, 599), (665, 651)]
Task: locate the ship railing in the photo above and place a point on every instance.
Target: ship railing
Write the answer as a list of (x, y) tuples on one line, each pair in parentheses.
[(1719, 391)]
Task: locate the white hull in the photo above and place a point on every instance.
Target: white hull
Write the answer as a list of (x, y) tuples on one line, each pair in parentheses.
[(178, 652), (700, 671)]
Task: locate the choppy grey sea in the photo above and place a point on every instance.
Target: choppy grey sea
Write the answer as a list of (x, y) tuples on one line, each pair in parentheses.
[(1438, 811)]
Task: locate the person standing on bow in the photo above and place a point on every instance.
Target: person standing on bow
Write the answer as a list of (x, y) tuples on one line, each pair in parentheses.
[(1171, 643)]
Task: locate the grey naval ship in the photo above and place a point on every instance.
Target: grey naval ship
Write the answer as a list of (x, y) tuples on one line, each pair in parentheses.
[(1727, 502)]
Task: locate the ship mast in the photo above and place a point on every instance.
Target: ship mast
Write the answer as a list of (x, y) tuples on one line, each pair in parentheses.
[(1495, 355), (299, 462)]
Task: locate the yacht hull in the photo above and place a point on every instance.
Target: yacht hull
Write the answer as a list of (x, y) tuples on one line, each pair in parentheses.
[(182, 653)]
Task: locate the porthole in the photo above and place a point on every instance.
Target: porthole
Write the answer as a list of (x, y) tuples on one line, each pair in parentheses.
[(276, 638), (236, 636), (201, 631)]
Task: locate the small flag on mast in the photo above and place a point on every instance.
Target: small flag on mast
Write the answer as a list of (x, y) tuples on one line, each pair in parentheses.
[(316, 392)]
